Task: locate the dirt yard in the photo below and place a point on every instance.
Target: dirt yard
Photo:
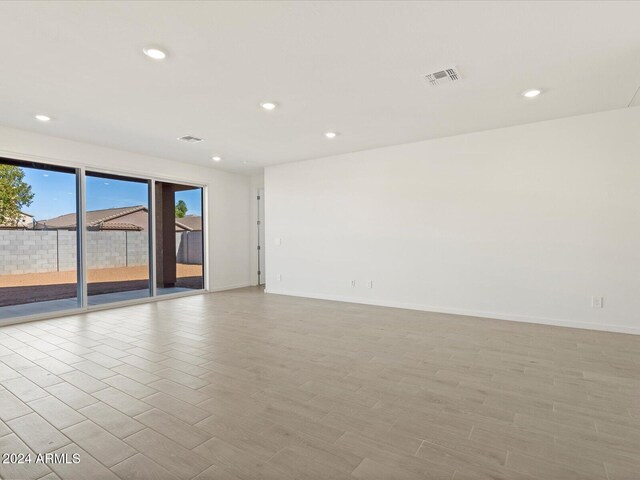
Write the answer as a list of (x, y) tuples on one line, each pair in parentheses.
[(39, 287), (120, 274)]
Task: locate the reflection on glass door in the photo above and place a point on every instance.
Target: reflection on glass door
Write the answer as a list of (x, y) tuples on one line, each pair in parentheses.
[(117, 238), (179, 238), (38, 239)]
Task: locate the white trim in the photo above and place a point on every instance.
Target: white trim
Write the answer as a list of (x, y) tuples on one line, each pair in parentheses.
[(230, 287), (81, 236), (206, 238), (468, 313), (152, 238)]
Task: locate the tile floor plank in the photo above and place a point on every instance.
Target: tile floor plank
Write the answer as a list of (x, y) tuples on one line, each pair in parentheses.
[(181, 462), (100, 444), (112, 420), (56, 412), (12, 407), (14, 470), (243, 385), (140, 467), (87, 468), (40, 435), (188, 436)]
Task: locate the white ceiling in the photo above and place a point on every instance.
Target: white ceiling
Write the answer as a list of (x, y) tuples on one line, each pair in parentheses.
[(354, 67)]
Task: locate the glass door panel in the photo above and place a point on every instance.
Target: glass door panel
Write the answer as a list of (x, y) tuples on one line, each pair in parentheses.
[(117, 238), (38, 238), (179, 238)]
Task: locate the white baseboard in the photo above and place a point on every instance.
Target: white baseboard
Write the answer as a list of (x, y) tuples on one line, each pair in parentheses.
[(467, 313), (229, 287)]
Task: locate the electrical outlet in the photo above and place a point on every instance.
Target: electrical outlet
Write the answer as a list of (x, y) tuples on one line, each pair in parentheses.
[(369, 283), (353, 283), (597, 302)]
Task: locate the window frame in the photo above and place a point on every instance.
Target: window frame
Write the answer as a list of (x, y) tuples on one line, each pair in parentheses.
[(80, 170)]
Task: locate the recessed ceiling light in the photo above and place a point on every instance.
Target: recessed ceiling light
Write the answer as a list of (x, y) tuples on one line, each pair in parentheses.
[(43, 118), (269, 105), (190, 139), (331, 134), (155, 53), (534, 92), (216, 158)]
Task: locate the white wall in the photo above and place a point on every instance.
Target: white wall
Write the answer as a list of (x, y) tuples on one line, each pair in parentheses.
[(228, 193), (524, 223)]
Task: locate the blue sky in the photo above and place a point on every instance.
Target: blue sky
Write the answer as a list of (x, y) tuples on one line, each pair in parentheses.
[(55, 194)]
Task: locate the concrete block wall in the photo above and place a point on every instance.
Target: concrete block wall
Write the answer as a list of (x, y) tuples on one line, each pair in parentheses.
[(137, 248), (189, 248), (67, 252), (28, 251), (106, 249), (117, 249), (24, 251)]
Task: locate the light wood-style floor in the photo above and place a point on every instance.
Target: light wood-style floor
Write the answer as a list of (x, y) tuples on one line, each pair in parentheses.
[(243, 385)]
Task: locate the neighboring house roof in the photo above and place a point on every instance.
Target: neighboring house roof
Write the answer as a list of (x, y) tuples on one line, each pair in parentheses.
[(121, 226), (135, 218), (101, 219), (191, 222), (25, 221)]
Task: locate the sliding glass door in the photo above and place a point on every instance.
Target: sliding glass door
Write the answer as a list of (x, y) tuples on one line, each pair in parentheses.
[(73, 239), (179, 238), (117, 238), (38, 238)]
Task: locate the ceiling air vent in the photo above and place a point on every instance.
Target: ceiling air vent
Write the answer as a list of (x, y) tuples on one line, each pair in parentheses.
[(448, 75), (190, 139)]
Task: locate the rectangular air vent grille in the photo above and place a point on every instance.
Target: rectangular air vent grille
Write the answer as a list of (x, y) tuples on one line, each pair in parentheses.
[(441, 77), (190, 139)]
